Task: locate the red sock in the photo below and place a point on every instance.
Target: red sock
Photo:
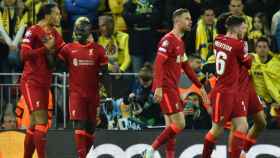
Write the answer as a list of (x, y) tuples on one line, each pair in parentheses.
[(249, 142), (209, 144), (29, 146), (81, 140), (168, 133), (237, 144), (170, 148), (40, 140)]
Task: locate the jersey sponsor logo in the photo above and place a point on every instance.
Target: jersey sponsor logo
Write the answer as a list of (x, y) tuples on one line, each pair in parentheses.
[(81, 62), (74, 51)]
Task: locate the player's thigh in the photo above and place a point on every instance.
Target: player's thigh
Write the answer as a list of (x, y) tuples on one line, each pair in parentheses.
[(240, 123), (77, 107), (217, 129), (255, 105), (167, 120), (171, 102), (260, 119), (178, 119), (39, 117), (36, 97), (222, 104)]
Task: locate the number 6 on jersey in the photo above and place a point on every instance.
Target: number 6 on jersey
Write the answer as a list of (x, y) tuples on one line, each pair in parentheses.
[(221, 58)]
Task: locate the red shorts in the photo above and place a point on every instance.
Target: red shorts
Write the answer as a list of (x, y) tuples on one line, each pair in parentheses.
[(171, 102), (83, 108), (251, 100), (36, 97), (225, 105)]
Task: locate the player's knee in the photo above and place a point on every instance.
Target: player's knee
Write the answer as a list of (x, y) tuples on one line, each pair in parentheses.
[(242, 127), (216, 130), (181, 124)]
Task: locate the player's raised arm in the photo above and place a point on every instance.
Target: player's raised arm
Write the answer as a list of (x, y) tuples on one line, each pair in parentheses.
[(27, 50), (245, 58)]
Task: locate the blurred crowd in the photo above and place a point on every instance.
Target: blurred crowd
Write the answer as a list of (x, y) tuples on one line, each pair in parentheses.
[(129, 31)]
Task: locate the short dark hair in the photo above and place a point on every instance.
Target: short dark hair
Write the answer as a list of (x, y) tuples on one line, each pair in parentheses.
[(262, 39), (220, 24), (207, 6), (233, 21), (46, 9), (179, 12)]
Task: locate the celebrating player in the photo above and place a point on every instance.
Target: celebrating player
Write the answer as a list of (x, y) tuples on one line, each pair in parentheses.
[(230, 53), (250, 99), (171, 58), (84, 59), (40, 44)]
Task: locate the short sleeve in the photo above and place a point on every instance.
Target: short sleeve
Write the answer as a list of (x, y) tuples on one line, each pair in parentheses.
[(164, 46), (103, 59)]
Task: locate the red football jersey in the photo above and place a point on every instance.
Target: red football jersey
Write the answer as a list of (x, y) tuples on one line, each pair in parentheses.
[(230, 55), (84, 63), (170, 60), (33, 51)]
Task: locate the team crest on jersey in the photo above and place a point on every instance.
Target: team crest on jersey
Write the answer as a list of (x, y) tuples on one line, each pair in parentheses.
[(90, 52), (75, 62), (165, 43)]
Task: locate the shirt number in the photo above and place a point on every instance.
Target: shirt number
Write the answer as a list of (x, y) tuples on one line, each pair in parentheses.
[(221, 58)]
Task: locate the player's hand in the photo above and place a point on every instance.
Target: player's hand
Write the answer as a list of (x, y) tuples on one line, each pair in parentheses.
[(204, 96), (49, 42), (158, 95), (210, 110)]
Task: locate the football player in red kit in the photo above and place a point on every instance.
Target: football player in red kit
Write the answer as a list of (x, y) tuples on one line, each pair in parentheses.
[(84, 59), (170, 60), (231, 54), (248, 97), (38, 51)]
